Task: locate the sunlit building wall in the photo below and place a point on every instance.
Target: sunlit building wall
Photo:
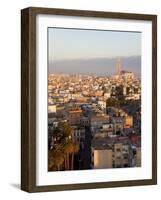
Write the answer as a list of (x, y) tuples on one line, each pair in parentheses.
[(102, 159), (52, 109)]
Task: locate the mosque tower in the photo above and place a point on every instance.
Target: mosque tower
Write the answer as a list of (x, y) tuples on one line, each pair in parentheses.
[(118, 66)]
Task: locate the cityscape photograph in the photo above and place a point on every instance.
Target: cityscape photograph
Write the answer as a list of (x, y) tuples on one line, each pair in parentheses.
[(94, 99)]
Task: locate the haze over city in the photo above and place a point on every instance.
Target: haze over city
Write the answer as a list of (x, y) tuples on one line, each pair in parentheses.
[(94, 52)]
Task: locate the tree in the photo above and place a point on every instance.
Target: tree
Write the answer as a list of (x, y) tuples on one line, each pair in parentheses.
[(67, 151), (55, 160), (111, 102), (67, 129), (59, 160), (70, 149), (62, 155), (56, 132)]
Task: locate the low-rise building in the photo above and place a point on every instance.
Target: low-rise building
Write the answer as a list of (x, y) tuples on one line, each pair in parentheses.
[(128, 121), (102, 105), (117, 124), (102, 158), (74, 116), (97, 121), (78, 135), (138, 156), (51, 108), (85, 121)]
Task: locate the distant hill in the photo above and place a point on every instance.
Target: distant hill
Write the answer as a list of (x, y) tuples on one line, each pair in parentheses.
[(99, 66)]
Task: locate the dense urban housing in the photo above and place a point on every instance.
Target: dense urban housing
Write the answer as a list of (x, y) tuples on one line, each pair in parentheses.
[(94, 122)]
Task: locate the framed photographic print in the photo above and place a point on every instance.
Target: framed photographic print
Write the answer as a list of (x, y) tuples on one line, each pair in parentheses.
[(88, 99)]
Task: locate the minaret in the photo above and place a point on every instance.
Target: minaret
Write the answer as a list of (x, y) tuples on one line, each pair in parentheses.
[(118, 66)]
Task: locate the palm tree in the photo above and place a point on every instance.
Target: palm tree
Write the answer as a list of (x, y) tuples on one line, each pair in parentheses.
[(67, 151), (70, 149), (50, 161), (75, 150), (55, 159), (67, 130), (64, 150), (59, 160)]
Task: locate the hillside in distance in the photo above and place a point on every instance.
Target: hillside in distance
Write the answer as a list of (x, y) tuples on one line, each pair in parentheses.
[(95, 66)]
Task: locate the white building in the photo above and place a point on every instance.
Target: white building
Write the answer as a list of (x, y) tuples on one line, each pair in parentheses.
[(51, 108), (102, 158), (102, 105), (118, 124), (107, 95)]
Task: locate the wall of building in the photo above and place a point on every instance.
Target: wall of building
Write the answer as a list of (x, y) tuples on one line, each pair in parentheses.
[(102, 159)]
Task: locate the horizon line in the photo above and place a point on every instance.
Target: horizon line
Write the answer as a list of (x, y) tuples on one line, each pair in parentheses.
[(91, 58)]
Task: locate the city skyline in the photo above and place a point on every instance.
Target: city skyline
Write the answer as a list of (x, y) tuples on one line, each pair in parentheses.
[(94, 99), (97, 66)]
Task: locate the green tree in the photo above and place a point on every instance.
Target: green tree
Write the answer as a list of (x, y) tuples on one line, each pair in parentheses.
[(111, 102)]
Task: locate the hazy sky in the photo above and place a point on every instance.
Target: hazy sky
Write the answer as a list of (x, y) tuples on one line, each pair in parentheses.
[(69, 44)]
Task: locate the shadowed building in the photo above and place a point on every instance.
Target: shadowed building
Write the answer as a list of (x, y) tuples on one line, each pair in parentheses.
[(75, 116)]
